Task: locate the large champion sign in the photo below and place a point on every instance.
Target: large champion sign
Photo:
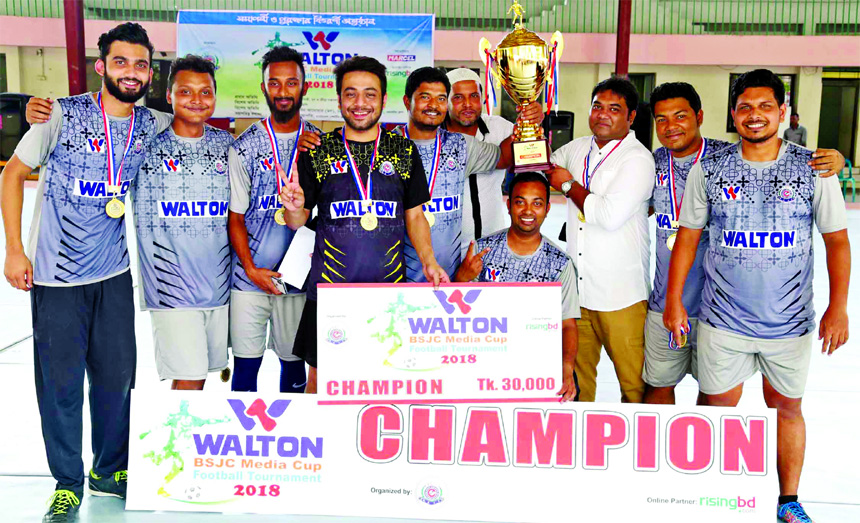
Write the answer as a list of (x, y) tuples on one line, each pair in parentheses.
[(466, 341), (528, 462), (237, 40)]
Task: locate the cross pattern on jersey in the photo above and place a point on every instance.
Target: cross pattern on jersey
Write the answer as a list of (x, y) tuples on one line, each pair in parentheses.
[(76, 241), (445, 204), (267, 240), (759, 261), (180, 200), (662, 204), (344, 252), (545, 265)]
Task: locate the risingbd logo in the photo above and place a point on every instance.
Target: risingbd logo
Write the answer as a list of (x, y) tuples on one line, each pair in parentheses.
[(96, 144), (731, 192), (320, 39), (462, 301), (265, 415)]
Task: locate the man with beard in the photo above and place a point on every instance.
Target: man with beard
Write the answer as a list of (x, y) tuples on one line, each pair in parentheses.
[(678, 116), (262, 160), (90, 150), (483, 206), (511, 254), (369, 187), (759, 199), (449, 159), (180, 203)]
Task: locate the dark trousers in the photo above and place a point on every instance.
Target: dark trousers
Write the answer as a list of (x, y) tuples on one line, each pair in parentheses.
[(75, 329)]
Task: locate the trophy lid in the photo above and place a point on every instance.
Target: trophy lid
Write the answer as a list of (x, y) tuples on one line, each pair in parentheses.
[(520, 36)]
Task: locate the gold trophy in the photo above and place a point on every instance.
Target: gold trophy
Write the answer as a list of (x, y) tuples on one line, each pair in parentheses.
[(523, 65)]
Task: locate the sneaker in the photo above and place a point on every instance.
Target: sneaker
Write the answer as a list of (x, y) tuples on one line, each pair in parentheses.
[(792, 513), (113, 485), (64, 505)]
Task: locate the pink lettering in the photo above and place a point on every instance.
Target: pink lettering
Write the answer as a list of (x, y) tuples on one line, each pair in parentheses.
[(603, 431)]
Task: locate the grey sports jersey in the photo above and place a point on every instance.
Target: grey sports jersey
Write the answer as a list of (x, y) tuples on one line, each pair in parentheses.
[(547, 264), (72, 240), (446, 204), (254, 192), (180, 201), (758, 267), (662, 204)]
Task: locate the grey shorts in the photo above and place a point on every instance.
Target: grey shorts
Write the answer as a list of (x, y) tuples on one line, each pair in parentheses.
[(252, 314), (665, 367), (189, 343), (727, 359)]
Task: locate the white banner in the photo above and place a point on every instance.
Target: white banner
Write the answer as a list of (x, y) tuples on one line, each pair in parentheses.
[(524, 462), (465, 341)]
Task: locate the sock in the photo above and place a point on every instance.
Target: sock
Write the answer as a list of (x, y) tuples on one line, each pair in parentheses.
[(293, 377), (245, 374), (786, 499)]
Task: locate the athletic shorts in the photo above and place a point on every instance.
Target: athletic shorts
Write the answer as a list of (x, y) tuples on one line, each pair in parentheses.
[(665, 367), (727, 359), (252, 314), (306, 337), (189, 343)]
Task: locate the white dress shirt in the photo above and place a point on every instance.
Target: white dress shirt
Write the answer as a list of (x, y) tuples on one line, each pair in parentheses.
[(611, 249), (494, 212)]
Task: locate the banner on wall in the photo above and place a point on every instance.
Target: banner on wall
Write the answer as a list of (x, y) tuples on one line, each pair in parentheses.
[(465, 341), (526, 462), (237, 40)]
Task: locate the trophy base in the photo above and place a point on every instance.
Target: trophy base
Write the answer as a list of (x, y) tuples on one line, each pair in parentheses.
[(531, 155)]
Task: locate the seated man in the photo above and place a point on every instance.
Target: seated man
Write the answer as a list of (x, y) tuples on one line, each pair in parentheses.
[(521, 253)]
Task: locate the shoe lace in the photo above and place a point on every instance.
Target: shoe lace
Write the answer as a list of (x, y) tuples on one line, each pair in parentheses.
[(121, 475), (796, 509), (61, 500)]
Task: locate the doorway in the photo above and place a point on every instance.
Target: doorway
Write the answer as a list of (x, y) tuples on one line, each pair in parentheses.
[(839, 100)]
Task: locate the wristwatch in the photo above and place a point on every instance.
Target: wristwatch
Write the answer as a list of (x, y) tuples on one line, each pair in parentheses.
[(565, 187)]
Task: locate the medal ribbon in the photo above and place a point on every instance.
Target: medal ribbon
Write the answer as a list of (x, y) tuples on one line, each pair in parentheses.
[(489, 88), (673, 198), (276, 151), (437, 155), (586, 177), (114, 176), (365, 192)]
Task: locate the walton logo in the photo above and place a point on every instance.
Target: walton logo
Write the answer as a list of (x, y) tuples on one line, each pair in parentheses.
[(320, 39), (258, 409), (457, 298), (731, 192), (172, 165), (96, 144), (268, 164)]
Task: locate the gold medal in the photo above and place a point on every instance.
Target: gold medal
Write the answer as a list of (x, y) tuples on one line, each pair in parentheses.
[(670, 241), (369, 222), (225, 374), (682, 340), (115, 208), (431, 218), (280, 216), (582, 216)]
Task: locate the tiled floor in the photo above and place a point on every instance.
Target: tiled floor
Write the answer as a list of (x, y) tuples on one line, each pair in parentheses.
[(831, 480)]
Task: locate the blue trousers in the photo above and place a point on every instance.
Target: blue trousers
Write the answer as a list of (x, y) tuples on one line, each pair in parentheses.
[(86, 328)]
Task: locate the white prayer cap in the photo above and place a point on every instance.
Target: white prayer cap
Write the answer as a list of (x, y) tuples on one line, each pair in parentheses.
[(463, 73)]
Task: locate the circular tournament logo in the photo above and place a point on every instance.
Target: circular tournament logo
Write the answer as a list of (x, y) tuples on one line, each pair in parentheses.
[(336, 336), (138, 146), (451, 163), (430, 494), (786, 194), (387, 168), (220, 168)]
